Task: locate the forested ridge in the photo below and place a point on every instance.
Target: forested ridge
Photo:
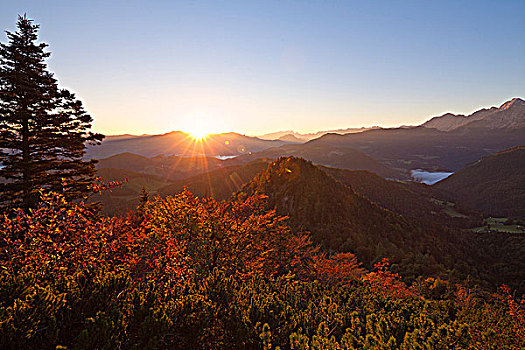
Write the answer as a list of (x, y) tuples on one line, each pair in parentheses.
[(341, 220)]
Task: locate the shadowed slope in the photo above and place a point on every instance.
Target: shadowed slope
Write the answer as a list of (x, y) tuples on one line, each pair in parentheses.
[(493, 185), (169, 167), (410, 199), (219, 183)]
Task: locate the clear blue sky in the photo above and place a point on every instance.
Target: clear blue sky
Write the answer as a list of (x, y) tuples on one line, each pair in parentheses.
[(260, 66)]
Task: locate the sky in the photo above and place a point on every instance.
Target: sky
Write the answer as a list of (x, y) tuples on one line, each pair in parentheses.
[(147, 67)]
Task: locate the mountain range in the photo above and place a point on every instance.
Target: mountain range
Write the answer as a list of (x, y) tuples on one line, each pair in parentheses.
[(367, 161), (445, 143), (179, 143), (510, 115), (299, 137), (337, 156)]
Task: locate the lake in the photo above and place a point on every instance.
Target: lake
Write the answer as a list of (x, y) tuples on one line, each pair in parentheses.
[(429, 177)]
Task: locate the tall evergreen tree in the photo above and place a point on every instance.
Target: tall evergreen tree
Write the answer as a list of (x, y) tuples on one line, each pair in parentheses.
[(43, 129)]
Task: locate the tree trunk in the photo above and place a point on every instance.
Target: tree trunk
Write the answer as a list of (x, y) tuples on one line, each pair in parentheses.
[(26, 175)]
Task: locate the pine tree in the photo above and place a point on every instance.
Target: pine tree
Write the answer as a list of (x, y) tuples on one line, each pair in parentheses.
[(43, 129)]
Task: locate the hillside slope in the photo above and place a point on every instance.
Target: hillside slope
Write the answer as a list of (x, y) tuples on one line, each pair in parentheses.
[(410, 199), (342, 220), (119, 200), (219, 184), (169, 167), (493, 185)]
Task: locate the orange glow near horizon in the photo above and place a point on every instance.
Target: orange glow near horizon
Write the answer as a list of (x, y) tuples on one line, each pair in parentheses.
[(198, 135), (199, 126)]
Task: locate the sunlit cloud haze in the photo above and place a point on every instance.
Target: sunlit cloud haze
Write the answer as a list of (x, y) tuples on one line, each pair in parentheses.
[(255, 67)]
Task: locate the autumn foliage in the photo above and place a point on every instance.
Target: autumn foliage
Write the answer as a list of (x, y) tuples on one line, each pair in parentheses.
[(191, 273), (386, 283)]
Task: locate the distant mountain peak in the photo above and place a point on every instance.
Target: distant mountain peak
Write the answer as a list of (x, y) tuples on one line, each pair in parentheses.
[(510, 115), (513, 102), (291, 138), (451, 115)]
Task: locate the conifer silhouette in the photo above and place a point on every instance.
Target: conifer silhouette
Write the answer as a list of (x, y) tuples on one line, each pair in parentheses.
[(43, 128)]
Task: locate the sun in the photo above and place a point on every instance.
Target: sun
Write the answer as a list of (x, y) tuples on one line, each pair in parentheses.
[(199, 134), (199, 126), (198, 130)]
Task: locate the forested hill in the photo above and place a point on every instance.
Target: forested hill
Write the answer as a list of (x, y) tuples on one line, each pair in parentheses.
[(342, 220), (494, 185)]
